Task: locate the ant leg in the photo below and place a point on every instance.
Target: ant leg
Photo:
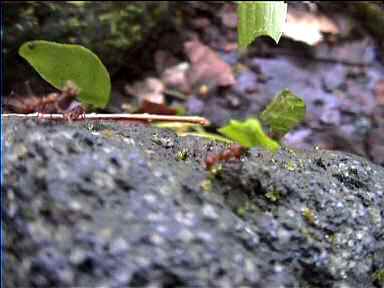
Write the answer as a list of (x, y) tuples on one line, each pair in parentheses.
[(44, 109), (76, 113), (39, 117), (211, 161), (40, 111)]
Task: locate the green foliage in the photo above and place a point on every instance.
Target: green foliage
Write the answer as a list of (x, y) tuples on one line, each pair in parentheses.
[(249, 134), (309, 215), (188, 129), (284, 112), (273, 196), (379, 276), (207, 135), (58, 63), (257, 18), (182, 155)]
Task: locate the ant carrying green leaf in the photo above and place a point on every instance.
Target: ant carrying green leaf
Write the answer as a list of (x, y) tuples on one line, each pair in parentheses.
[(61, 102)]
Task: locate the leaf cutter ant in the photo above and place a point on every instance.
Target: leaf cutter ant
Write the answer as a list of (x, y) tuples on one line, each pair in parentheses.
[(52, 103), (234, 151)]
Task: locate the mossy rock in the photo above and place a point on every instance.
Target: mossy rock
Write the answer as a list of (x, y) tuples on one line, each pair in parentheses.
[(109, 29)]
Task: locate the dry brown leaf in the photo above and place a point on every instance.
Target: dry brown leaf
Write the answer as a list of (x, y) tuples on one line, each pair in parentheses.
[(151, 89), (156, 108), (207, 66), (308, 28), (379, 92), (176, 77)]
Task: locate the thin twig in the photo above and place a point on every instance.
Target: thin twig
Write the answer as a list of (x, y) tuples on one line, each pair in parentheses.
[(116, 117)]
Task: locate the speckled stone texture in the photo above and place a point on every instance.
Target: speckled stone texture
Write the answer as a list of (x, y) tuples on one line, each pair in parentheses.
[(110, 205)]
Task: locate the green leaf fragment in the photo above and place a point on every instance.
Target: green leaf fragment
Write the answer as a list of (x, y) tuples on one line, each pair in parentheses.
[(249, 134), (178, 127), (57, 63), (284, 112), (273, 195), (207, 135), (183, 129), (258, 18), (379, 276)]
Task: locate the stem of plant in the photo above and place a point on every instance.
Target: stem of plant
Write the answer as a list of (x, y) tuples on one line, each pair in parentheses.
[(116, 117)]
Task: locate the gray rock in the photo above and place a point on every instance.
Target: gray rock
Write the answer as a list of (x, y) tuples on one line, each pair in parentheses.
[(104, 205)]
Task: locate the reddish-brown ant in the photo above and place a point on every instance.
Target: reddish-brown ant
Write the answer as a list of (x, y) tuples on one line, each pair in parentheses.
[(233, 151), (52, 103)]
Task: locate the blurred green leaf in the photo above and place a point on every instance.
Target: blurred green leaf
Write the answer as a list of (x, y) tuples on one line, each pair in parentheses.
[(257, 18), (249, 134), (178, 127), (58, 63), (183, 129), (284, 112), (207, 135)]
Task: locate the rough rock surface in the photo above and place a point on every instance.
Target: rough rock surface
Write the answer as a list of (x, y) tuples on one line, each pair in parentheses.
[(110, 205)]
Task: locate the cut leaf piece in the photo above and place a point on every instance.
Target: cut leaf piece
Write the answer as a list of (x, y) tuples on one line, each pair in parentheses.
[(260, 18), (284, 112), (249, 134), (57, 63), (207, 135)]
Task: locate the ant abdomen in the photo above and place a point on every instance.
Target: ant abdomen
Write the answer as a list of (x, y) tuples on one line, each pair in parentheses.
[(234, 151)]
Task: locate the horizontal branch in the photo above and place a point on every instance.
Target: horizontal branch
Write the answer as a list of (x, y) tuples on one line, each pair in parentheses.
[(116, 117)]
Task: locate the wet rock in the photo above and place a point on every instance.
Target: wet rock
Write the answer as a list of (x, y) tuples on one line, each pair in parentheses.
[(246, 82), (334, 186), (297, 138), (108, 205), (334, 78), (359, 52)]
